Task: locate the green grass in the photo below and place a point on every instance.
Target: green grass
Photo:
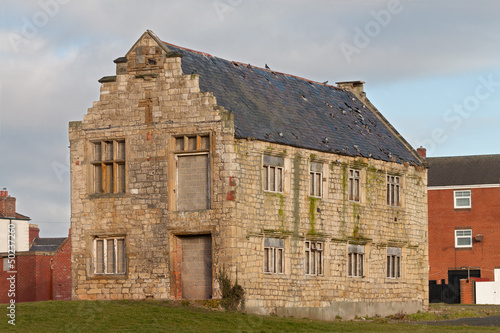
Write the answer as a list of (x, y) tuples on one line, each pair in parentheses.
[(168, 316)]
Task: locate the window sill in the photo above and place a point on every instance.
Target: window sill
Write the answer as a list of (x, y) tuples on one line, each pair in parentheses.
[(109, 276), (393, 280), (106, 195), (469, 248), (462, 209)]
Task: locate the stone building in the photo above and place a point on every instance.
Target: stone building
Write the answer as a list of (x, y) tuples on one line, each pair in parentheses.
[(189, 165)]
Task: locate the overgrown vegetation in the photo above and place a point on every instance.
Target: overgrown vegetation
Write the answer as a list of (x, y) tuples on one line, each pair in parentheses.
[(233, 296)]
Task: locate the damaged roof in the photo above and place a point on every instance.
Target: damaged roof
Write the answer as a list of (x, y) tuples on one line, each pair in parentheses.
[(285, 109), (463, 170), (47, 244)]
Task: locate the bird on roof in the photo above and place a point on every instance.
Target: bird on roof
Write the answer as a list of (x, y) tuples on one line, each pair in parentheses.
[(249, 66), (267, 67), (325, 82)]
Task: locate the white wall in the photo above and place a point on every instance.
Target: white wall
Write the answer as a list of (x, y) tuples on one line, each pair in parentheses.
[(489, 292), (22, 235)]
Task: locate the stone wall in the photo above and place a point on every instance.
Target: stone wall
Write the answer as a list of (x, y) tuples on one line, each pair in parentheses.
[(150, 105), (334, 220)]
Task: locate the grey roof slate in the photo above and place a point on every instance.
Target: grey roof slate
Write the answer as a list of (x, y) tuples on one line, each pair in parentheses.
[(463, 170), (285, 109), (46, 244)]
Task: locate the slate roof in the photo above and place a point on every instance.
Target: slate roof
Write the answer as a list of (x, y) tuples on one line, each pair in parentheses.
[(285, 109), (463, 170), (46, 244), (17, 217)]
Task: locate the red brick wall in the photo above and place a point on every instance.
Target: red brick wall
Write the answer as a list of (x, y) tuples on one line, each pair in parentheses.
[(483, 218), (61, 273), (40, 277)]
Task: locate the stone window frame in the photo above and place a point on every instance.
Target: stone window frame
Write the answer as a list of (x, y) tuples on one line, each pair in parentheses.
[(356, 267), (274, 255), (394, 263), (461, 234), (394, 186), (354, 185), (314, 258), (189, 145), (273, 167), (458, 196), (116, 250), (316, 180), (109, 156)]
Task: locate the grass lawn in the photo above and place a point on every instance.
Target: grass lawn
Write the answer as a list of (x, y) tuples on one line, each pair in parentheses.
[(169, 316)]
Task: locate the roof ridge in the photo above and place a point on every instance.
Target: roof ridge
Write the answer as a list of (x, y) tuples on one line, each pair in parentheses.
[(252, 66)]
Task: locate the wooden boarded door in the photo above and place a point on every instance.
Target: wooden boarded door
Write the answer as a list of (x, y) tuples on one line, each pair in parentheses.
[(196, 272)]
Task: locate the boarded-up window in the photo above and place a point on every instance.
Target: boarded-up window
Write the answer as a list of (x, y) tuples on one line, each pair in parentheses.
[(109, 255), (192, 172)]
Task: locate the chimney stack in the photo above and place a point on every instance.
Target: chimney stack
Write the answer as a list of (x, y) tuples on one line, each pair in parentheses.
[(34, 232), (7, 204), (422, 151)]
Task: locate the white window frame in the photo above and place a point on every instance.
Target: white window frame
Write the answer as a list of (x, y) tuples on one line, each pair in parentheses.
[(457, 195), (393, 267), (273, 170), (463, 234), (393, 190), (316, 180), (354, 185), (356, 261), (274, 256), (313, 264), (104, 263)]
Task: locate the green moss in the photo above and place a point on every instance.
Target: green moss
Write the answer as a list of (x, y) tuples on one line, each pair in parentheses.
[(281, 210), (296, 194), (312, 215), (356, 210)]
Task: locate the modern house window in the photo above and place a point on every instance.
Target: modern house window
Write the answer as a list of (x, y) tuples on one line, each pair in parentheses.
[(273, 174), (192, 186), (274, 255), (463, 238), (354, 184), (393, 190), (6, 266), (108, 164), (462, 199), (109, 255), (394, 262), (314, 258), (355, 260), (316, 180)]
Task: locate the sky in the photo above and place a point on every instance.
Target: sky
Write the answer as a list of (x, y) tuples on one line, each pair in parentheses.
[(431, 67)]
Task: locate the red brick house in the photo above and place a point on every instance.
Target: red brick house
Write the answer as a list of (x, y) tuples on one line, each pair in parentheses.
[(42, 265), (464, 212)]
